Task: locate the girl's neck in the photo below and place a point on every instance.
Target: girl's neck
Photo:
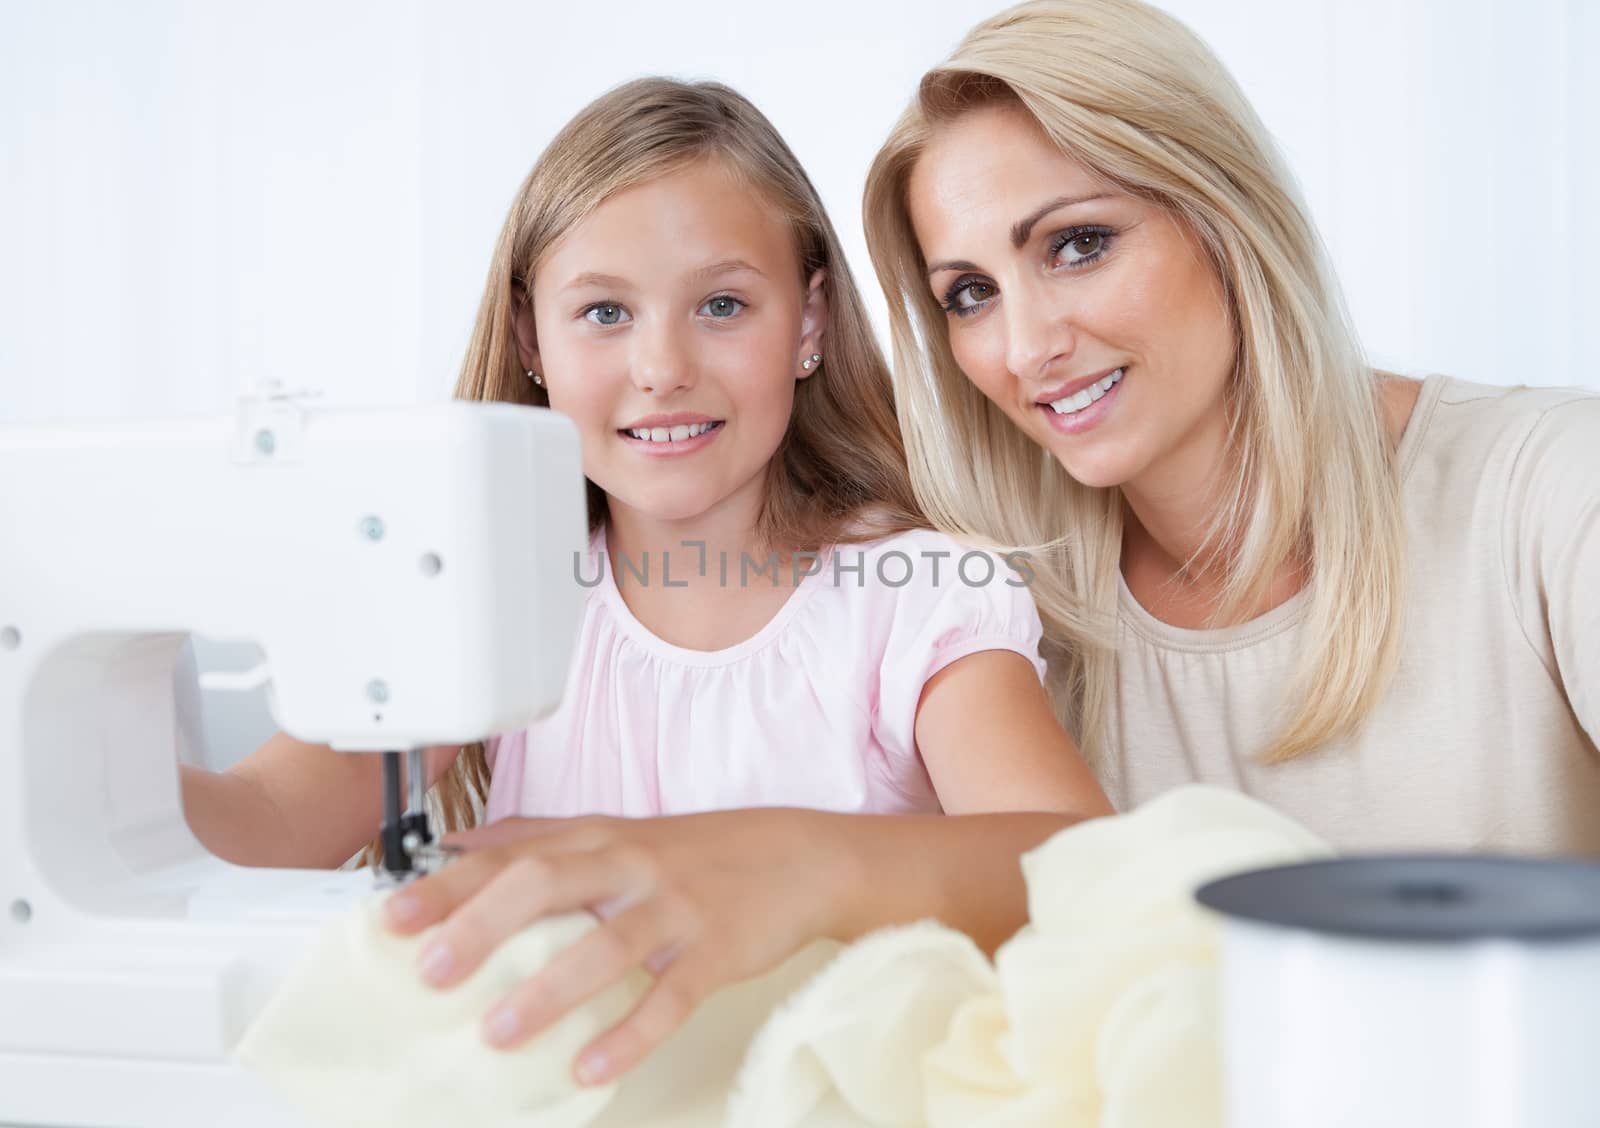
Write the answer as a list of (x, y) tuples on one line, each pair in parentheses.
[(711, 582), (728, 528)]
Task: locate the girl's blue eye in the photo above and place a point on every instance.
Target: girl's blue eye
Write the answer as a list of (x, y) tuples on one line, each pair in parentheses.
[(722, 306), (606, 314)]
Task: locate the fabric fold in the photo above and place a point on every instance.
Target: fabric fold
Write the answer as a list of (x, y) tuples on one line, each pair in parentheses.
[(1101, 1012)]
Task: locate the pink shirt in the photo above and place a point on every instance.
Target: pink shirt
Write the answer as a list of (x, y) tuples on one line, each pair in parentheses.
[(816, 709)]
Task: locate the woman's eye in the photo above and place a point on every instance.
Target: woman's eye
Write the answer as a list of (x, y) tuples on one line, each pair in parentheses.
[(606, 314), (975, 293), (967, 295), (722, 306), (1077, 247)]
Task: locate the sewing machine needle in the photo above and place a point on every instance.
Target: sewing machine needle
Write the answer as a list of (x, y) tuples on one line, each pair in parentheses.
[(417, 778)]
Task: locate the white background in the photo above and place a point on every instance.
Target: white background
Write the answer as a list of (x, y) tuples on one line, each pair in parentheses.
[(197, 195)]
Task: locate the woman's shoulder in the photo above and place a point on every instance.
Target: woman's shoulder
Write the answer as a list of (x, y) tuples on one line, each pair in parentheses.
[(1473, 433), (1499, 463), (1468, 407)]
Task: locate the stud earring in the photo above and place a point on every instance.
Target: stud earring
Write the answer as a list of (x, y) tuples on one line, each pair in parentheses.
[(808, 365), (535, 377)]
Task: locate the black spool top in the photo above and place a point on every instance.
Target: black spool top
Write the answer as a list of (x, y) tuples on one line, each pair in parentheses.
[(1440, 898)]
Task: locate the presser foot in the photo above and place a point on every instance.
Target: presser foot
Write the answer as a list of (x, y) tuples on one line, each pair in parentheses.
[(426, 858), (409, 849)]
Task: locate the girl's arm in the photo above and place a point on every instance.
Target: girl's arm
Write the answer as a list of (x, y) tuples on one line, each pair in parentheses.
[(292, 804), (706, 900), (991, 741)]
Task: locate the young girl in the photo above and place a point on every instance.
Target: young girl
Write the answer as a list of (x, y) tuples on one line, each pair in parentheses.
[(770, 623)]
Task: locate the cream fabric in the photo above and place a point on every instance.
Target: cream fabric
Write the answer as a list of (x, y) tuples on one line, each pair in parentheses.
[(1100, 1012), (1486, 738), (355, 1038)]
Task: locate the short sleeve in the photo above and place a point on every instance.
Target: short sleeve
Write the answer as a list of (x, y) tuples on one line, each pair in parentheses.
[(1552, 549), (956, 601)]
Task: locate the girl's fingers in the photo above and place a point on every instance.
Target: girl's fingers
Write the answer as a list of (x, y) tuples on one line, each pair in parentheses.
[(527, 888), (588, 967), (664, 1008), (432, 898)]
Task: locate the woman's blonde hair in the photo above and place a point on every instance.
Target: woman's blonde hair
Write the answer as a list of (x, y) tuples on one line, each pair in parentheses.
[(839, 474), (1140, 101)]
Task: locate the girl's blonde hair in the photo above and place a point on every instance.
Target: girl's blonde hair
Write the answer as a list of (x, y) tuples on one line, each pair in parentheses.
[(1140, 101), (839, 474)]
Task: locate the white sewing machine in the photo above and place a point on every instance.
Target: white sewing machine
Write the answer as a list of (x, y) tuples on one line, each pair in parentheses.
[(407, 574)]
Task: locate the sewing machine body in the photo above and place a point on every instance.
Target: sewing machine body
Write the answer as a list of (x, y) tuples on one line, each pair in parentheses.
[(408, 575)]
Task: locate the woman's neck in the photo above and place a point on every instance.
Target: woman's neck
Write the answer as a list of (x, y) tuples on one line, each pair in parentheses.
[(1176, 501), (1176, 558), (1171, 511)]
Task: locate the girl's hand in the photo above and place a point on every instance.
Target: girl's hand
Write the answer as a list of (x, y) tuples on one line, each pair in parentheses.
[(699, 900)]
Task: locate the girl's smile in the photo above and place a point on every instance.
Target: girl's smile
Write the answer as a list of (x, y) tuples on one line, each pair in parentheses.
[(666, 436)]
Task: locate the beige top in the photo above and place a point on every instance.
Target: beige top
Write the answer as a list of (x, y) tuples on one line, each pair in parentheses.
[(1487, 736)]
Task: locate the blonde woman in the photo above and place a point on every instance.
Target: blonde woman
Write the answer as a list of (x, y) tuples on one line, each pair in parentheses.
[(1369, 601)]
